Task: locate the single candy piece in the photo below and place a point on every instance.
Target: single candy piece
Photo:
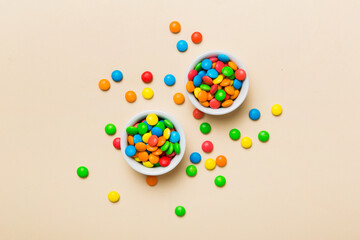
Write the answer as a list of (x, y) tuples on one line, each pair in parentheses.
[(131, 130), (205, 87), (167, 133), (254, 114), (212, 73), (147, 93), (180, 211), (168, 124), (142, 128), (153, 140), (220, 181), (151, 180), (220, 95), (117, 75), (179, 98), (157, 131), (205, 128), (237, 84), (195, 157), (196, 37), (232, 65), (206, 64), (263, 136), (210, 164), (221, 161), (82, 172), (227, 103), (164, 161), (207, 80), (143, 156), (182, 46), (192, 74), (234, 134), (202, 73), (169, 80), (130, 140), (175, 27), (104, 84), (152, 119), (148, 164), (130, 96), (202, 96), (147, 77), (227, 71), (190, 87), (219, 65), (198, 67), (214, 89), (246, 142), (137, 138), (130, 150), (153, 158), (113, 196), (177, 148), (223, 58), (110, 129), (240, 74), (207, 146), (174, 137), (214, 104), (191, 170), (197, 80), (116, 143), (160, 125), (140, 146), (276, 110), (198, 114)]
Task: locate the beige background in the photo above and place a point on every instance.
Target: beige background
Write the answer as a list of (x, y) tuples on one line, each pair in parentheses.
[(302, 184)]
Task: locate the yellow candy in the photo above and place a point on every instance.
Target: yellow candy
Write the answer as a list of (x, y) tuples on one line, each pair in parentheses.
[(137, 159), (113, 196), (276, 110), (218, 79), (146, 137), (196, 91), (148, 164), (166, 133), (231, 82), (210, 164), (147, 93), (246, 142), (152, 119)]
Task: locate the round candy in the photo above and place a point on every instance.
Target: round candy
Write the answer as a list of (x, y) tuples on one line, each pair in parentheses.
[(263, 136), (212, 73), (174, 137), (167, 133), (214, 103), (142, 128), (164, 161), (160, 125), (234, 134), (237, 84), (169, 80), (130, 96), (198, 114), (220, 181), (131, 130), (220, 95), (180, 211), (221, 161), (152, 119), (116, 143), (117, 75), (82, 172), (175, 27), (168, 124), (191, 170), (147, 93), (276, 110), (240, 74), (177, 148), (192, 74), (205, 128), (210, 164), (202, 73), (207, 146), (195, 157), (110, 129), (182, 46), (104, 84), (130, 151), (151, 180), (113, 196), (223, 58), (246, 142), (179, 98), (157, 131), (227, 71), (147, 77), (137, 138), (254, 114), (196, 37), (153, 140), (206, 64)]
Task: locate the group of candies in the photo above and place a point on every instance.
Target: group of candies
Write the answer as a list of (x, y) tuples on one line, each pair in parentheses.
[(182, 45), (216, 81), (153, 141), (116, 75)]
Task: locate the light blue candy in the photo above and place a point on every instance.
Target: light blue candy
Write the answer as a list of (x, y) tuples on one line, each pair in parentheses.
[(169, 80), (254, 114), (157, 131), (174, 137), (195, 157), (117, 75), (212, 73), (223, 58), (237, 84), (202, 73), (137, 138), (206, 64), (130, 150), (182, 46), (197, 80)]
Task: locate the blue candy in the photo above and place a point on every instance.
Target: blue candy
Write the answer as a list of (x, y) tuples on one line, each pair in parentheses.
[(195, 157), (117, 75), (223, 58), (130, 150), (174, 137), (137, 138), (182, 46), (169, 80), (254, 114), (237, 84), (157, 131), (149, 126), (202, 73), (206, 64), (197, 80), (212, 73)]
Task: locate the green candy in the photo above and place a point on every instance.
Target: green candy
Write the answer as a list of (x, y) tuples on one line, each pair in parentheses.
[(170, 149), (110, 129), (177, 148), (234, 134), (263, 136), (180, 211), (142, 128), (160, 125), (168, 124), (191, 170), (82, 172), (220, 181), (227, 71), (165, 146), (198, 67), (205, 128), (205, 87), (157, 164), (232, 77), (131, 130), (220, 95)]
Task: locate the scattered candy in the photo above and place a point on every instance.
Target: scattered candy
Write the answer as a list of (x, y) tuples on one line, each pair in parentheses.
[(151, 180), (246, 142), (182, 46), (169, 80), (191, 170), (254, 114), (205, 128), (110, 129), (196, 37), (104, 84), (263, 136), (195, 157), (198, 114), (180, 211), (221, 161), (220, 181), (147, 93), (82, 172), (113, 196), (130, 96), (117, 75), (207, 146), (234, 134), (175, 27), (147, 77), (210, 164), (276, 110), (116, 143), (179, 98)]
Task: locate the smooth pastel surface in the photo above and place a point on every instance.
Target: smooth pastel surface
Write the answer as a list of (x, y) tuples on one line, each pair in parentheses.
[(169, 80), (191, 170), (246, 142), (147, 93), (113, 196), (182, 46), (234, 134), (220, 181), (263, 136), (117, 75), (195, 157), (205, 128), (82, 172), (276, 110), (210, 164), (110, 129), (254, 114), (180, 211)]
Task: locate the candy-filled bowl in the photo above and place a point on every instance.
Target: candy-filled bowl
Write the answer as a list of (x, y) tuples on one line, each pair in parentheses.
[(153, 143), (216, 82)]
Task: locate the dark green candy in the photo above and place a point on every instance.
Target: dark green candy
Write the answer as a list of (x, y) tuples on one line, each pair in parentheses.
[(205, 128), (170, 149), (131, 130)]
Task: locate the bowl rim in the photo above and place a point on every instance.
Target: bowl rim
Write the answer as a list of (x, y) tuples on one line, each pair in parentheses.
[(158, 170), (238, 101)]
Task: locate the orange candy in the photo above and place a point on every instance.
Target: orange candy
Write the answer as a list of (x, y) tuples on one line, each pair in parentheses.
[(221, 161), (130, 96), (233, 66), (235, 95), (230, 90), (205, 104), (225, 82), (227, 103), (140, 146), (190, 86), (153, 158), (143, 156), (179, 98), (150, 148), (161, 141), (131, 140), (104, 84), (202, 96), (151, 180), (175, 27), (157, 152), (210, 96)]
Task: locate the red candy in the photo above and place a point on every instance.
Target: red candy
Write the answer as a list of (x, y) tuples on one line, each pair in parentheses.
[(198, 114), (214, 103), (153, 140), (164, 161), (227, 96), (207, 147), (207, 80), (196, 37), (147, 77), (213, 89), (219, 66), (116, 143), (192, 74), (240, 74), (213, 59)]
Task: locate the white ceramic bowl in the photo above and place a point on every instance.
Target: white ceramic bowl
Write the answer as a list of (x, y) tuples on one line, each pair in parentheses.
[(238, 101), (156, 170)]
